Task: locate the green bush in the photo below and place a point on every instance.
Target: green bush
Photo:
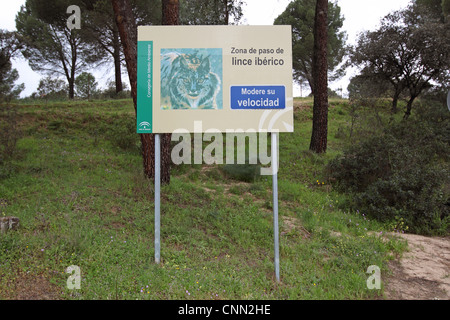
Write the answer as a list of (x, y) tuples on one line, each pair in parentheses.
[(9, 135), (122, 133), (242, 172), (401, 173)]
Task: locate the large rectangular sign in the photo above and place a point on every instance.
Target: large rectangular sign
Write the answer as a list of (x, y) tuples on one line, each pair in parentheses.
[(225, 77)]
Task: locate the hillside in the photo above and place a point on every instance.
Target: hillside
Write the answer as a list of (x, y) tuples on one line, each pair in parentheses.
[(77, 186)]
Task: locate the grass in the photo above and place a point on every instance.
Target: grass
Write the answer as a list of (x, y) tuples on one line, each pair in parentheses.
[(82, 200)]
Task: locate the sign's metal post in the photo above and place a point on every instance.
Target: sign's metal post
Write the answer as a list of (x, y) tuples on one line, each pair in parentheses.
[(274, 154), (157, 197)]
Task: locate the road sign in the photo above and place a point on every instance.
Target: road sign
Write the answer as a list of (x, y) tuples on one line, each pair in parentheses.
[(227, 77)]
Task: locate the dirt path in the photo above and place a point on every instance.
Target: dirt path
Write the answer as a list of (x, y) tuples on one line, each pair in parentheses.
[(423, 273)]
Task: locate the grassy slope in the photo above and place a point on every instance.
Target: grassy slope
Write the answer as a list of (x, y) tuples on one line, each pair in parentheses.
[(83, 201)]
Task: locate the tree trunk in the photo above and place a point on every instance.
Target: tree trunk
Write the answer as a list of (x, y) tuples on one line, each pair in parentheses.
[(398, 90), (415, 89), (227, 13), (71, 79), (117, 64), (71, 88), (128, 37), (395, 103), (148, 154), (170, 12), (170, 16), (311, 85), (409, 107), (320, 78)]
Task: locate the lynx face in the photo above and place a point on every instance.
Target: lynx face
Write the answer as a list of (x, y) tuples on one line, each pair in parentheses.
[(191, 84)]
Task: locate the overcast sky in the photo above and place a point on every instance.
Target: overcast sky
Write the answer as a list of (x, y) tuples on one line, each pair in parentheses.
[(359, 15)]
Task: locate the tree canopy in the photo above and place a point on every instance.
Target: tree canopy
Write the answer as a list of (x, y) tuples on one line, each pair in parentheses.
[(408, 51), (85, 85), (9, 48), (300, 15), (52, 88), (49, 45), (210, 12), (100, 30)]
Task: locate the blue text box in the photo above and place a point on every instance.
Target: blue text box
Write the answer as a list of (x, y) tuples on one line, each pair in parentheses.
[(258, 97)]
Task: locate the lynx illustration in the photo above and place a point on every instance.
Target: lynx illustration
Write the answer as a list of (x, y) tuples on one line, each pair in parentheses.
[(188, 81)]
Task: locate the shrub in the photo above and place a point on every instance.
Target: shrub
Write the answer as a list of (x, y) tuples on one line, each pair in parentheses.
[(242, 172), (9, 135), (401, 173), (122, 133)]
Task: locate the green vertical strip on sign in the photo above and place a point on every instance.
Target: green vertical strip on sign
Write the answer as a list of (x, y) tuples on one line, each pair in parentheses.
[(144, 117)]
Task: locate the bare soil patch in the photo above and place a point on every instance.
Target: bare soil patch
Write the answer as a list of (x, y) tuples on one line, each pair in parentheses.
[(31, 287), (423, 273)]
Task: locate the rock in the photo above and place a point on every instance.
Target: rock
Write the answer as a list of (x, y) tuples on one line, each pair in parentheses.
[(8, 223)]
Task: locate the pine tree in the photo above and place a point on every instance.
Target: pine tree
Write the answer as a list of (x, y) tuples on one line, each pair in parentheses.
[(320, 109)]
